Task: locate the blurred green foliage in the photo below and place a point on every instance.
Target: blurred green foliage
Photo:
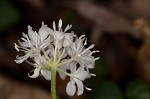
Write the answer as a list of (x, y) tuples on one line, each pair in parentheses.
[(138, 89), (107, 90), (9, 15), (100, 67), (102, 88)]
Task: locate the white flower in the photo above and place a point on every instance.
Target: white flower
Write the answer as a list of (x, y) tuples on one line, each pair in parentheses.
[(60, 51), (68, 39), (40, 69), (81, 54), (78, 75), (59, 36), (33, 43), (65, 68)]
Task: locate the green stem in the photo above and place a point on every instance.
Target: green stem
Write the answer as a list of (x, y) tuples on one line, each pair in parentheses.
[(61, 56), (63, 72), (47, 57), (65, 62), (53, 83), (55, 53)]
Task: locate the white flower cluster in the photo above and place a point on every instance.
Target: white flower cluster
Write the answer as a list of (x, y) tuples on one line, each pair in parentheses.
[(60, 50)]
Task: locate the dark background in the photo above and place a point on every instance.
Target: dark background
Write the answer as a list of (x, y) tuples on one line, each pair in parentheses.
[(123, 71)]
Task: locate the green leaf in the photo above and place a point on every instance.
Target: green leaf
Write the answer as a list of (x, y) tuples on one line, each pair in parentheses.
[(107, 90), (138, 89), (8, 14), (100, 68)]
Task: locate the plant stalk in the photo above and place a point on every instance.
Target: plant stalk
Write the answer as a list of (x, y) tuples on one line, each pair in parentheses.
[(53, 83)]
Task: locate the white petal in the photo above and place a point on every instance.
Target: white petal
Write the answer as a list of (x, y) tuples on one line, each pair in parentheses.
[(37, 60), (46, 74), (91, 65), (62, 76), (71, 88), (58, 35), (63, 68), (82, 75), (68, 40), (31, 34), (60, 44), (73, 67), (43, 33), (79, 86), (66, 43), (45, 43), (35, 74), (24, 44), (21, 58)]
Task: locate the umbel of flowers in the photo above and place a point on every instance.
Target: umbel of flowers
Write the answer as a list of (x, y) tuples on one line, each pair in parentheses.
[(56, 50)]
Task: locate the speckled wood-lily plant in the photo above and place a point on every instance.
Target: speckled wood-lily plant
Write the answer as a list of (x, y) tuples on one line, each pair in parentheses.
[(59, 51)]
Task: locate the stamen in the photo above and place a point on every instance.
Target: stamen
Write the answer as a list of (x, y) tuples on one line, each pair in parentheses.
[(89, 89), (54, 26), (97, 58), (81, 36), (30, 62), (66, 73), (67, 27), (85, 42), (24, 39), (94, 52), (93, 74), (60, 23), (16, 47), (90, 47)]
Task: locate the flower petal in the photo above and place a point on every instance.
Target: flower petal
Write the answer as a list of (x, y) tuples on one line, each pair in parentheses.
[(43, 33), (62, 76), (31, 34), (82, 75), (58, 35), (46, 73), (79, 86), (24, 44), (37, 60), (73, 66), (35, 74), (71, 88), (43, 45), (21, 58)]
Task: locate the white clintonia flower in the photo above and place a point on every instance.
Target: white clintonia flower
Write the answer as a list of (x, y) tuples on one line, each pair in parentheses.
[(33, 43), (76, 78), (39, 69), (60, 51), (81, 54)]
